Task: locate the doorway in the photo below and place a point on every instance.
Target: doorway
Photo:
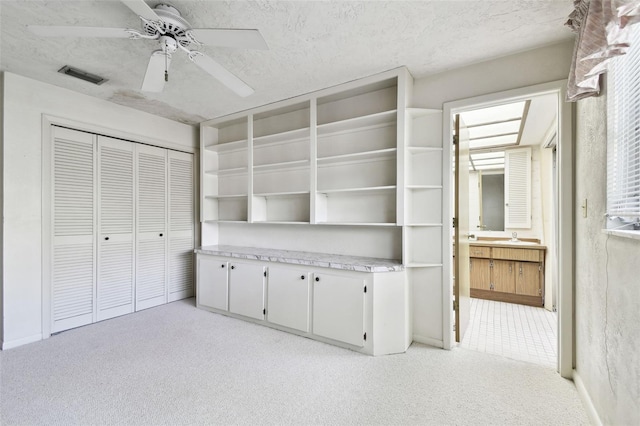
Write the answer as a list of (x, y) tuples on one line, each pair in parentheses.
[(558, 259)]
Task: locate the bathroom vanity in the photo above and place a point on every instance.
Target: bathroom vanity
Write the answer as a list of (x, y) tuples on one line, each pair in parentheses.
[(507, 271)]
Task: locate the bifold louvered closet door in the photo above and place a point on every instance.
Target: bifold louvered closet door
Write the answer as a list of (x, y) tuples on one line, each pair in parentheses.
[(122, 227), (181, 226), (151, 270), (116, 250), (73, 217)]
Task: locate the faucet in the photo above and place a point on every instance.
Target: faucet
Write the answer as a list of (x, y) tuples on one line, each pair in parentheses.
[(514, 236)]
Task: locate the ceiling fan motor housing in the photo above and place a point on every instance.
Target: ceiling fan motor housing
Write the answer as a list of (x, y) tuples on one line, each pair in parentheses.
[(172, 24)]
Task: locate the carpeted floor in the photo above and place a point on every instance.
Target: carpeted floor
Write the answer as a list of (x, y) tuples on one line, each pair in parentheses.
[(176, 364)]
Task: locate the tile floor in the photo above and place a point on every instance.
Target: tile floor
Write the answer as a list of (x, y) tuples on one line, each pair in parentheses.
[(514, 331)]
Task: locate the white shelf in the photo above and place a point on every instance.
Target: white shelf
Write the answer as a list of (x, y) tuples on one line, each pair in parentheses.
[(282, 137), (426, 225), (376, 224), (386, 117), (288, 165), (360, 156), (228, 146), (224, 221), (365, 190), (218, 197), (233, 171), (281, 222), (281, 194)]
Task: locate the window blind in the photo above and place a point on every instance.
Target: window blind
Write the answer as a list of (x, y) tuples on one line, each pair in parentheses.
[(623, 139)]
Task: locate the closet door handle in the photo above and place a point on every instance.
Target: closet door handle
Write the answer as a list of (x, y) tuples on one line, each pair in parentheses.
[(302, 277), (317, 278), (233, 267), (106, 238), (161, 235), (222, 266)]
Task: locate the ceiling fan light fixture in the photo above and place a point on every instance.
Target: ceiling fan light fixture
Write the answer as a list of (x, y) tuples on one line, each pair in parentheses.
[(82, 75)]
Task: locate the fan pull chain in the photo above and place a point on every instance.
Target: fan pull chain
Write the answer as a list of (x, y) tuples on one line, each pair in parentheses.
[(166, 71)]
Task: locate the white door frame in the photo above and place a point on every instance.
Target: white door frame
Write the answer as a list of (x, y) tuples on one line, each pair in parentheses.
[(564, 218)]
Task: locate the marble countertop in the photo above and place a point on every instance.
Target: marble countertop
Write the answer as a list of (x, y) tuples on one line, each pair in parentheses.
[(323, 260)]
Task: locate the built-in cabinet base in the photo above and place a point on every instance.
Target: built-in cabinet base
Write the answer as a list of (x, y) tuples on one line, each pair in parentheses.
[(361, 311)]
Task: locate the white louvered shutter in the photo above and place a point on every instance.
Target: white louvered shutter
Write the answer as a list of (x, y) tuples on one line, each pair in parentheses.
[(116, 202), (73, 224), (517, 188), (181, 225), (151, 227)]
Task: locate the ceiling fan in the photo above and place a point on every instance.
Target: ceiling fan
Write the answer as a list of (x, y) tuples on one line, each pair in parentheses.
[(165, 24)]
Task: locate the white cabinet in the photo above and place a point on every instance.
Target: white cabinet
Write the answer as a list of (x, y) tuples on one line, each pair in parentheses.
[(338, 308), (363, 311), (288, 297), (246, 289), (213, 283)]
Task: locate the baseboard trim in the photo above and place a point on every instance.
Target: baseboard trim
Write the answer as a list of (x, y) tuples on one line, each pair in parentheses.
[(428, 341), (586, 400), (19, 342)]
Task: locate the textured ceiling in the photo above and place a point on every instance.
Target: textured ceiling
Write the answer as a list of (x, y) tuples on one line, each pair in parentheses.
[(312, 45)]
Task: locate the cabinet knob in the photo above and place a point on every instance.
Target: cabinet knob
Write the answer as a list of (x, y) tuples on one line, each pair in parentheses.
[(302, 277), (222, 266), (106, 238), (317, 278), (233, 267), (161, 235)]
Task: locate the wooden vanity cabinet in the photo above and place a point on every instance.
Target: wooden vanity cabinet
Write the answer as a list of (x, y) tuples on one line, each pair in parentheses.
[(507, 274)]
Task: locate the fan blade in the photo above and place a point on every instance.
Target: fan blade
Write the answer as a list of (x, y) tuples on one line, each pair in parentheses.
[(222, 74), (47, 31), (154, 77), (244, 39), (140, 8)]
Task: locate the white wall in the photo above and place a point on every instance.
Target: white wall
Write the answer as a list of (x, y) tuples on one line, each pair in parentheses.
[(25, 103), (607, 285), (547, 64)]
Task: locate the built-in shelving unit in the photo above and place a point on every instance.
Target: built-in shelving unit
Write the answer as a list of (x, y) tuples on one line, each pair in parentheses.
[(359, 156)]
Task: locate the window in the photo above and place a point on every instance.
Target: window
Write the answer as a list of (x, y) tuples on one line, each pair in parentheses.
[(623, 139)]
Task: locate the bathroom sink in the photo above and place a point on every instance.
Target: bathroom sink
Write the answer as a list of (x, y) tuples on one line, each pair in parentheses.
[(516, 243)]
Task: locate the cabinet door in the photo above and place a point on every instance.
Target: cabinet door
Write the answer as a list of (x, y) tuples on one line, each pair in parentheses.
[(116, 248), (503, 276), (181, 227), (288, 298), (528, 279), (151, 252), (213, 283), (246, 289), (480, 273), (338, 308)]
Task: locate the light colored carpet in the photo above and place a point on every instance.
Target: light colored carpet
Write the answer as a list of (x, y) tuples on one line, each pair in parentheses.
[(176, 364)]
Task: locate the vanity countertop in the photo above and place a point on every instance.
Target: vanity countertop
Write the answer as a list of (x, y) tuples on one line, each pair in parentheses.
[(323, 260), (508, 244)]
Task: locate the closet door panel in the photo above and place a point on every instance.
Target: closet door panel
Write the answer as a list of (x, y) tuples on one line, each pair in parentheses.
[(116, 203), (73, 224), (181, 225), (151, 226)]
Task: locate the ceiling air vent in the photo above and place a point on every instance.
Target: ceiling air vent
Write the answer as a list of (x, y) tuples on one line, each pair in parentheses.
[(82, 75)]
